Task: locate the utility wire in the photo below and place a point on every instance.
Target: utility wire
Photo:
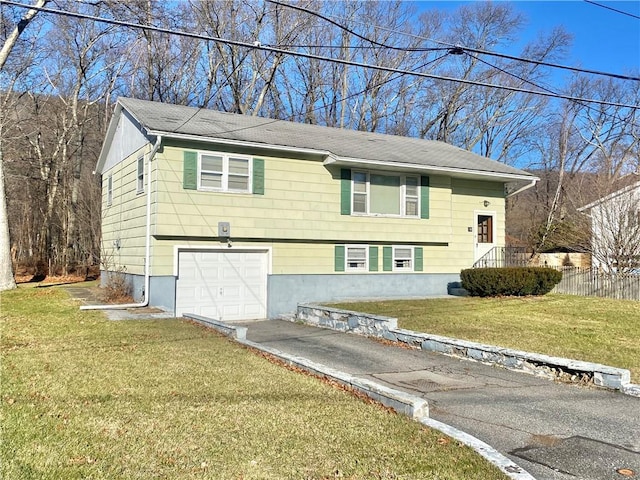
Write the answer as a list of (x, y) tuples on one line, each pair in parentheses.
[(585, 105), (257, 45), (347, 29), (335, 102), (351, 47), (458, 47), (632, 15)]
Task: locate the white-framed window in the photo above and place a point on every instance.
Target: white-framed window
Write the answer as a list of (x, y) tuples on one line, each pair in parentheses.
[(140, 175), (224, 172), (109, 189), (402, 258), (356, 257), (379, 193)]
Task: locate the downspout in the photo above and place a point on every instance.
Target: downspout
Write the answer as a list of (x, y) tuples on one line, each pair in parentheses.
[(147, 253)]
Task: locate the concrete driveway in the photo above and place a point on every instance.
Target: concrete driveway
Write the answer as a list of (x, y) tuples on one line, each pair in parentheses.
[(553, 430)]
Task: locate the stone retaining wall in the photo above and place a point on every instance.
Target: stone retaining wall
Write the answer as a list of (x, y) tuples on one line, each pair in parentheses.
[(345, 320), (542, 365)]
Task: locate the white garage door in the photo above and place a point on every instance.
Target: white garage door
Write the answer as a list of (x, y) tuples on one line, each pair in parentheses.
[(222, 285)]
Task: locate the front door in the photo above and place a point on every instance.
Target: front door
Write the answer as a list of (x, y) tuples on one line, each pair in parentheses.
[(484, 234)]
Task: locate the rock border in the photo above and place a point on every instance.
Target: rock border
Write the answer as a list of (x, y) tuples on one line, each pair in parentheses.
[(555, 368)]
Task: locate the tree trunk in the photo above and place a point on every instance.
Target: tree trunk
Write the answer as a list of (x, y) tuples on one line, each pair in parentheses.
[(7, 281)]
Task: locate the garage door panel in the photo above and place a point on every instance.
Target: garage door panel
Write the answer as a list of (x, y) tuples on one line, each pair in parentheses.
[(223, 285)]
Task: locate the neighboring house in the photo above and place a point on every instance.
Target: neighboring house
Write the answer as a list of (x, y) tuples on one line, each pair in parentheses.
[(240, 217), (615, 228)]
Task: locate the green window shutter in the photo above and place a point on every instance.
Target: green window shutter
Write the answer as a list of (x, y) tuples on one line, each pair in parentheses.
[(190, 171), (345, 191), (258, 176), (373, 259), (424, 196), (418, 259), (387, 259), (339, 258)]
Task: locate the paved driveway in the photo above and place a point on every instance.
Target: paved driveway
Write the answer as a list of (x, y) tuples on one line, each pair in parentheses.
[(553, 430)]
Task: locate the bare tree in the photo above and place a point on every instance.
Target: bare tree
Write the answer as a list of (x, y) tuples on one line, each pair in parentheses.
[(493, 122), (578, 139), (7, 280)]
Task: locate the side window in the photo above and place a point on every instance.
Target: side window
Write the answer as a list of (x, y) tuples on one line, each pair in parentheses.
[(110, 190), (225, 173), (374, 193), (140, 175), (360, 192), (356, 257), (222, 172), (411, 196), (402, 258), (363, 258)]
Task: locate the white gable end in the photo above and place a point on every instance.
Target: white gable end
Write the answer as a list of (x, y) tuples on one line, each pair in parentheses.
[(127, 138)]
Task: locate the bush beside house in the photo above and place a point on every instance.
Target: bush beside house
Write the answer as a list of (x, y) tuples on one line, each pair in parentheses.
[(509, 281)]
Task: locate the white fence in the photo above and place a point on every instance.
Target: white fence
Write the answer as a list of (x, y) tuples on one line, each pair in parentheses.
[(595, 283)]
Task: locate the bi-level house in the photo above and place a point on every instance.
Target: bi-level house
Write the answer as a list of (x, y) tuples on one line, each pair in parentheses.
[(238, 217)]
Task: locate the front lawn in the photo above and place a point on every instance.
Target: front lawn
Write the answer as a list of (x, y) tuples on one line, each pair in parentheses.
[(584, 328), (84, 397)]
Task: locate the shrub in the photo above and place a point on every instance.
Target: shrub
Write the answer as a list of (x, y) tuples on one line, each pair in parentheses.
[(509, 281), (116, 288)]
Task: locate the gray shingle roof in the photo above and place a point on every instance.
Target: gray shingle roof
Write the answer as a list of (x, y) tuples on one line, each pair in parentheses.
[(167, 119)]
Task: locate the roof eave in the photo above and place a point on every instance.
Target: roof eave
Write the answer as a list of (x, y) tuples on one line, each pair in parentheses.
[(611, 196), (242, 143), (451, 171)]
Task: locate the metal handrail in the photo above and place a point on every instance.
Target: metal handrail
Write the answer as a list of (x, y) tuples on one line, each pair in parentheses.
[(503, 257)]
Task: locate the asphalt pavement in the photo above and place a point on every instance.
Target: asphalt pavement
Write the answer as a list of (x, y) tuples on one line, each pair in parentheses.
[(552, 430)]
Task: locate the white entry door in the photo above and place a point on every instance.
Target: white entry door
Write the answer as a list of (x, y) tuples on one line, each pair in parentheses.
[(225, 285), (485, 234)]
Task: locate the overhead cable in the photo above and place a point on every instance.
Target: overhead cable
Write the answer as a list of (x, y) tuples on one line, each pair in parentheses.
[(258, 46), (613, 9), (496, 54)]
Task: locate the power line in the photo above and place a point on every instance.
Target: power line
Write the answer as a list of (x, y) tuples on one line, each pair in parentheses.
[(459, 47), (258, 46), (587, 106), (356, 94), (632, 15), (347, 29), (351, 47)]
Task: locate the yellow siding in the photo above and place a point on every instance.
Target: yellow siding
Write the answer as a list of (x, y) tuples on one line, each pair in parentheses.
[(298, 218), (292, 258), (124, 221), (301, 201), (468, 198)]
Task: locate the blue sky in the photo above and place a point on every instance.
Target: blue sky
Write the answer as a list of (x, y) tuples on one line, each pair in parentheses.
[(603, 39)]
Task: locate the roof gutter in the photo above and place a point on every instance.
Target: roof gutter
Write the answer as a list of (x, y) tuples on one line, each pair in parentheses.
[(525, 187), (147, 253), (242, 143)]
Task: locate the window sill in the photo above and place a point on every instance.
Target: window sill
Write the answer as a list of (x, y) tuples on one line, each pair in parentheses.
[(382, 215), (216, 190)]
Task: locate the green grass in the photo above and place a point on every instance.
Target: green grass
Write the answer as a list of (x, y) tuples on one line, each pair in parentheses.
[(583, 328), (84, 397)]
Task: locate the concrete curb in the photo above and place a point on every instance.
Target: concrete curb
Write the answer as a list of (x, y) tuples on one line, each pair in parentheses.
[(507, 467), (233, 331), (407, 404), (410, 405), (555, 368)]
